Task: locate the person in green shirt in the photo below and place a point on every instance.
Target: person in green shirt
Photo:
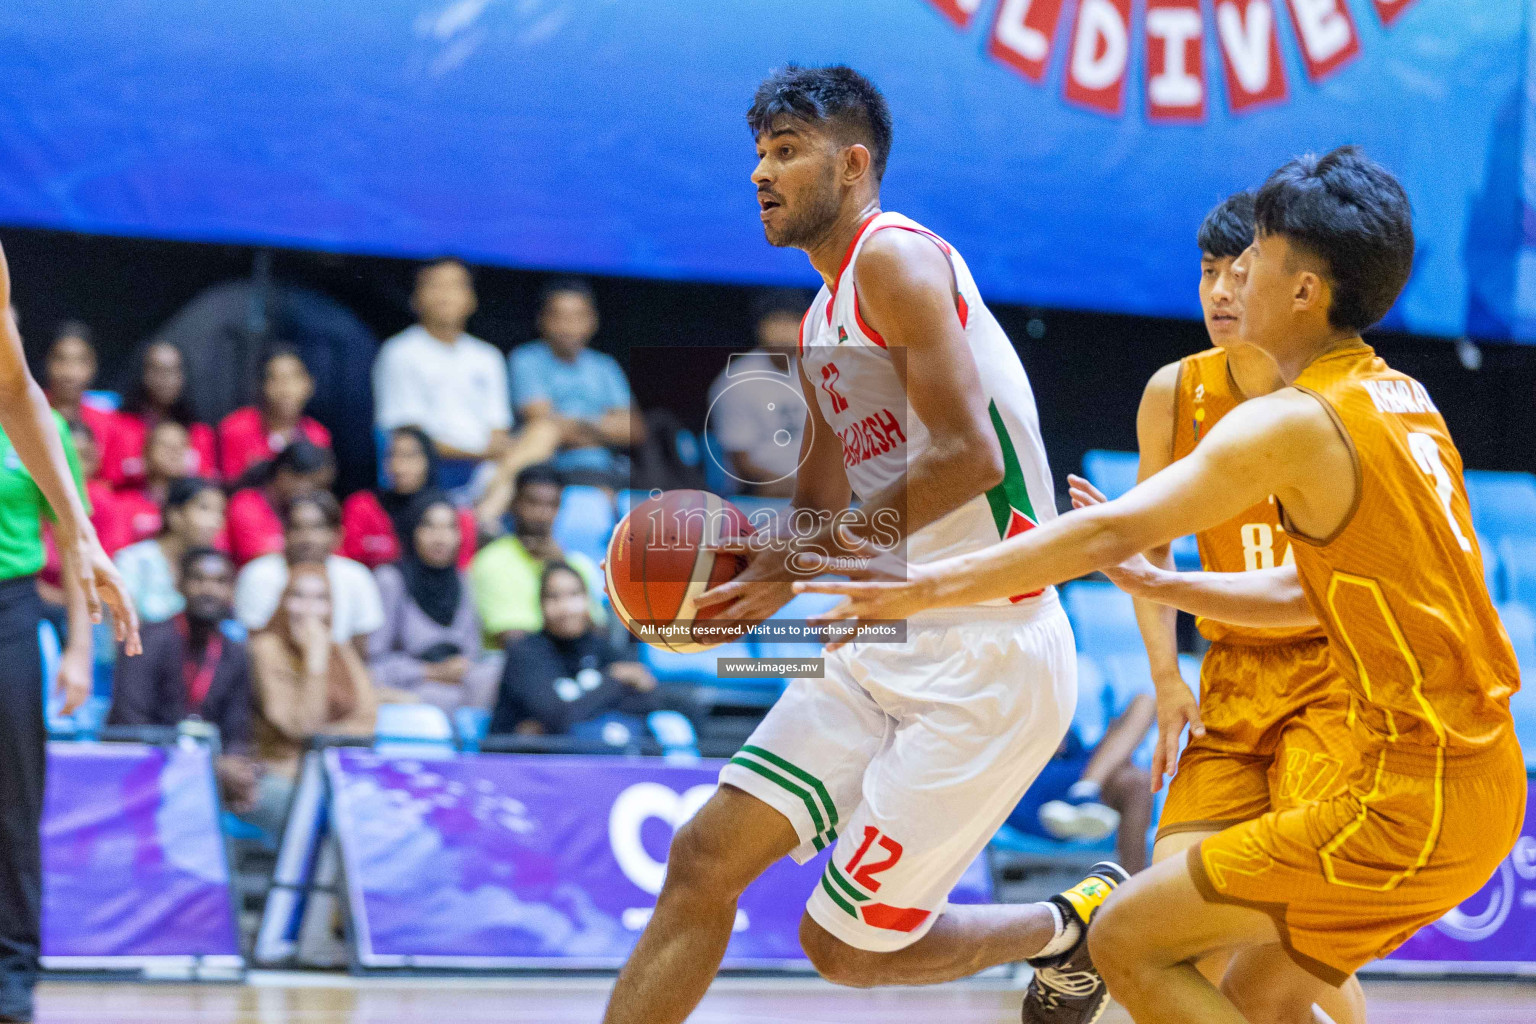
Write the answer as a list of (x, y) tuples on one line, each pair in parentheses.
[(506, 574), (38, 476)]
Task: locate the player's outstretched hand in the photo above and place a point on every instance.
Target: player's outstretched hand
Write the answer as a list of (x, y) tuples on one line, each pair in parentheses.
[(89, 564), (1136, 575), (1176, 708), (870, 599)]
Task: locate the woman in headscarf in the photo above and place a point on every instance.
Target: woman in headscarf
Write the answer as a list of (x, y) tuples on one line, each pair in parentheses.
[(305, 685), (430, 643), (371, 520)]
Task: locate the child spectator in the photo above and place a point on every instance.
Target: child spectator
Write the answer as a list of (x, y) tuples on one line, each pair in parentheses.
[(430, 643), (165, 459), (158, 393), (312, 526), (370, 520), (568, 672), (256, 433), (305, 684), (255, 527), (193, 519), (584, 393)]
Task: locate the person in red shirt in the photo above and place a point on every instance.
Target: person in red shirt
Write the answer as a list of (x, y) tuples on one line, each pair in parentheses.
[(256, 433), (370, 520), (255, 525), (159, 393), (69, 369), (166, 454)]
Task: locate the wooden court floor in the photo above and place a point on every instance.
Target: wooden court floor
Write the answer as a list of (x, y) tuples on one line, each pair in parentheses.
[(334, 999)]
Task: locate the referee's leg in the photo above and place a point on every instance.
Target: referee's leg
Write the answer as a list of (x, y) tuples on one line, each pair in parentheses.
[(23, 748)]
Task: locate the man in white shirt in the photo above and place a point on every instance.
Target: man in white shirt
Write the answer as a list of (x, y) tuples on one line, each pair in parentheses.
[(311, 529), (756, 409), (450, 384)]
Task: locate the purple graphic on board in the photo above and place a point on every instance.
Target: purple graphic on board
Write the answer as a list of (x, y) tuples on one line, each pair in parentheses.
[(133, 862), (1497, 927), (506, 860)]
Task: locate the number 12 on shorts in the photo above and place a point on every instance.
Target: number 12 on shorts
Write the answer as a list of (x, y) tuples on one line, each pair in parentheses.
[(865, 875)]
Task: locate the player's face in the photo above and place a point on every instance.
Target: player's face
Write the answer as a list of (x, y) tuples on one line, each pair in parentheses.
[(796, 179), (1219, 299), (1266, 275)]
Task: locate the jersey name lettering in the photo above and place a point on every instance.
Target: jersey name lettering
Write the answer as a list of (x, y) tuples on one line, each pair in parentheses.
[(873, 435), (1399, 396)]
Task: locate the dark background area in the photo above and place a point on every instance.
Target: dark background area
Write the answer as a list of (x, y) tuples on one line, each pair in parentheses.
[(1087, 369)]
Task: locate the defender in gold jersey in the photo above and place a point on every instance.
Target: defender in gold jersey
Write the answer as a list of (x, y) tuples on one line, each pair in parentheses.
[(1370, 492)]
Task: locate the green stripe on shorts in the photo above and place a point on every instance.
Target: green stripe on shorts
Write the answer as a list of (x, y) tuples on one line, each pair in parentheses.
[(844, 884), (800, 773), (783, 783), (847, 907)]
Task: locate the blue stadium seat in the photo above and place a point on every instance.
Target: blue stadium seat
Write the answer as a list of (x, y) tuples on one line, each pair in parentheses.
[(623, 501), (1114, 473), (1520, 623), (1186, 554), (1103, 619), (413, 729), (585, 521), (1503, 504), (1493, 568), (1517, 559), (471, 725)]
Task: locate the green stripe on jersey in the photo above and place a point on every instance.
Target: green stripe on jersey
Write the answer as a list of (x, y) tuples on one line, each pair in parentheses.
[(1011, 495)]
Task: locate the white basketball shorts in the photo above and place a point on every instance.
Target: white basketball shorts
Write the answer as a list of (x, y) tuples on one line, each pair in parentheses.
[(909, 756)]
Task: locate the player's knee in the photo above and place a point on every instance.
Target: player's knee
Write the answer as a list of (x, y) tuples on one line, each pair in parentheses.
[(700, 861), (1112, 940), (835, 960)]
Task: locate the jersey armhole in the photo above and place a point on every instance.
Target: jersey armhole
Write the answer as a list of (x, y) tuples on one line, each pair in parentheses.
[(962, 308), (1354, 458)]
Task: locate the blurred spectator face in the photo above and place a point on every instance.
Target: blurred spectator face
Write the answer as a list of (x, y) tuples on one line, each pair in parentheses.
[(406, 463), (198, 523), (565, 605), (287, 485), (308, 597), (164, 378), (70, 369), (308, 536), (437, 536), (779, 332), (445, 296), (534, 509), (85, 448), (166, 452), (209, 587), (286, 388), (568, 321)]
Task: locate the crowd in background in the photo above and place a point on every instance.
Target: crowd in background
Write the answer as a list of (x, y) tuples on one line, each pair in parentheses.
[(277, 613)]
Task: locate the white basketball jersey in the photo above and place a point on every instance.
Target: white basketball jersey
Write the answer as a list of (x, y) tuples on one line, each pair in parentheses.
[(862, 398)]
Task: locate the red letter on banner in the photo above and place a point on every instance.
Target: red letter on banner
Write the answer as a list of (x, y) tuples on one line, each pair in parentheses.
[(1327, 34), (1388, 10), (1022, 34), (957, 11), (1101, 51), (1175, 70), (1250, 53)]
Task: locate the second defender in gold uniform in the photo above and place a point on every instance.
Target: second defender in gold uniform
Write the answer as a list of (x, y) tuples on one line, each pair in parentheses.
[(1370, 490)]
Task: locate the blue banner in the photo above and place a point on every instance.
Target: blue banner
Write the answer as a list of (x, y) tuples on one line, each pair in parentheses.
[(1068, 147)]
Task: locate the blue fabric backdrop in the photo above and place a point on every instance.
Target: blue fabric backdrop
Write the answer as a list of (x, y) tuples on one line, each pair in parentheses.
[(606, 136)]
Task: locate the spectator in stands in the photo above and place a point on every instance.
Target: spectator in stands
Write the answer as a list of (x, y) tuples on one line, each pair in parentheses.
[(1088, 793), (107, 513), (68, 373), (568, 672), (370, 520), (195, 665), (430, 644), (753, 412), (305, 685), (435, 376), (193, 520), (311, 528), (506, 573), (585, 394), (255, 525), (158, 393), (165, 459), (256, 433)]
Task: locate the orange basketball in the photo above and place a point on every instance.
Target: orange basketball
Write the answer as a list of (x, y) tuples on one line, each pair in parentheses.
[(660, 560)]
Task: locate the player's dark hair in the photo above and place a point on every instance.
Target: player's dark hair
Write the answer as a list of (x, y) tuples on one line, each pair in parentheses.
[(539, 473), (555, 567), (563, 286), (838, 96), (195, 555), (1228, 229), (180, 493), (73, 329), (137, 402), (322, 501), (303, 457), (1351, 213)]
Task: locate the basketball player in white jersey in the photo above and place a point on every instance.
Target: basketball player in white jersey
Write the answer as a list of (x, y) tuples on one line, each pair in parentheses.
[(907, 756)]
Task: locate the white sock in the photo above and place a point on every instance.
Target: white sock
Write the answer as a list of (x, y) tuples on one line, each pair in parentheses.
[(1067, 932), (1084, 789)]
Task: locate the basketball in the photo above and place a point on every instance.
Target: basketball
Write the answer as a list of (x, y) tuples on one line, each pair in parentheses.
[(660, 560)]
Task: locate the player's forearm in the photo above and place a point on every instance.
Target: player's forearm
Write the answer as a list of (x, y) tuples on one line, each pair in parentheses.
[(1158, 624), (1266, 598), (77, 617)]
